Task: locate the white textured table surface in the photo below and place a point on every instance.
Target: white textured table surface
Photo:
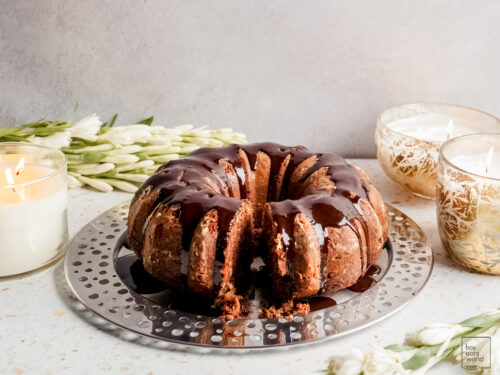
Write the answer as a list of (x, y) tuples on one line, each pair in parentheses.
[(40, 333)]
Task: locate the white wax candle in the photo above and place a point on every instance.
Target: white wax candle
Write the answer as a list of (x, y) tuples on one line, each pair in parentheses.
[(433, 127), (484, 164), (32, 218)]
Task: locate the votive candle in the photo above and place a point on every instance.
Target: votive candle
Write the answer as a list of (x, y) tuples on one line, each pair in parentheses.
[(468, 201), (33, 205), (409, 136)]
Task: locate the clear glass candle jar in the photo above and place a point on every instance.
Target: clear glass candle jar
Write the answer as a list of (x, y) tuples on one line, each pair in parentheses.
[(33, 207), (408, 138), (468, 201)]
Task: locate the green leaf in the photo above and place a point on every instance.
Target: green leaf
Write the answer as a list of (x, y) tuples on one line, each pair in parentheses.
[(81, 141), (74, 146), (38, 124), (93, 157), (113, 119), (482, 320), (400, 348), (448, 352), (142, 156), (420, 358), (12, 138), (49, 130), (147, 121), (103, 129), (73, 157), (106, 127), (4, 132)]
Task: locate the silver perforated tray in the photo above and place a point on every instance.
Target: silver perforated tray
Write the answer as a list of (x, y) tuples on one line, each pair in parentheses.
[(90, 267)]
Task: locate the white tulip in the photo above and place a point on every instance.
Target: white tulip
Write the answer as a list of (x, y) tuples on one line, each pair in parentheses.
[(203, 141), (131, 149), (121, 159), (122, 185), (229, 138), (81, 150), (135, 177), (214, 143), (346, 364), (162, 130), (163, 140), (96, 184), (165, 158), (161, 150), (187, 148), (377, 362), (87, 128), (384, 362), (57, 140), (73, 182), (127, 135), (201, 133), (93, 169), (434, 334), (133, 166)]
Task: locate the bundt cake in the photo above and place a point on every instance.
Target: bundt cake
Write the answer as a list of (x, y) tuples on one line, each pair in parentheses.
[(198, 221)]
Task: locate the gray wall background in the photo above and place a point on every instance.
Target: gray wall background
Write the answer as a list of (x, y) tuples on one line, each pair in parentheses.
[(297, 72)]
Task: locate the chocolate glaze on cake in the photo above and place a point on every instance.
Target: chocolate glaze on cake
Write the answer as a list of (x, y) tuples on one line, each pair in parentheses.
[(197, 221)]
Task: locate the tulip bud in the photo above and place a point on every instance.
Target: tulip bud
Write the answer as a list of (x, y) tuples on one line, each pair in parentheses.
[(86, 128), (122, 185), (73, 182), (96, 184), (346, 364), (93, 169), (434, 334), (121, 159), (57, 140)]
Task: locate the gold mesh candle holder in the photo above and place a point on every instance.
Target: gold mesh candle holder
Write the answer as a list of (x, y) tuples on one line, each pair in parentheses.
[(468, 206), (411, 161)]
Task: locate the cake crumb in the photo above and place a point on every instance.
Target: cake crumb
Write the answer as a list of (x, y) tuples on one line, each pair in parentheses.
[(287, 310), (230, 305)]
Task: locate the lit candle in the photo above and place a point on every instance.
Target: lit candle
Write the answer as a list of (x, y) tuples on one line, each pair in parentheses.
[(433, 127), (33, 203), (468, 201), (485, 164), (408, 139)]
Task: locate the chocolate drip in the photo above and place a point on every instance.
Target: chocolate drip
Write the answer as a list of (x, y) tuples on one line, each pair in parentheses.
[(323, 209), (320, 303), (198, 183), (366, 281)]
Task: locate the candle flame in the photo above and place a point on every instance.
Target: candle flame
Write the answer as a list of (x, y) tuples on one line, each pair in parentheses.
[(10, 180), (489, 159), (9, 176), (449, 129), (19, 167)]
